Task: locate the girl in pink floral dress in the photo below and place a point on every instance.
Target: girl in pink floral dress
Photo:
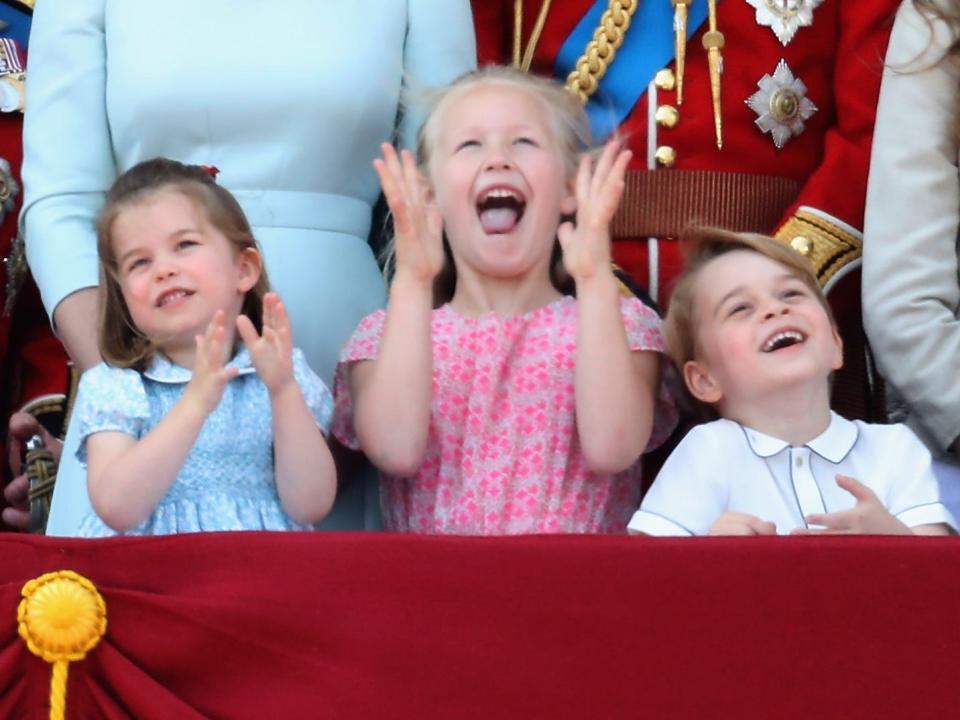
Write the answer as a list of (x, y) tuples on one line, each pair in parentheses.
[(491, 399)]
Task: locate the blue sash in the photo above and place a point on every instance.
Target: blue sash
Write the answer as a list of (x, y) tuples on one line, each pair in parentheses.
[(647, 48)]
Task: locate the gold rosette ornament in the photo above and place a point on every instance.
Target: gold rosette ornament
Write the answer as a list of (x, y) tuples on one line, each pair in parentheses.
[(61, 618)]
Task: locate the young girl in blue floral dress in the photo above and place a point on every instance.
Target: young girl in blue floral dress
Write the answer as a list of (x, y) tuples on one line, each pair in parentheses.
[(182, 429)]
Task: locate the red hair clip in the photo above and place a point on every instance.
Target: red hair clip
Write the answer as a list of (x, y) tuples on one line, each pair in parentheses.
[(210, 170)]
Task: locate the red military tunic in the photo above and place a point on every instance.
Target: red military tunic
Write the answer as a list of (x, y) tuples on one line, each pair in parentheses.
[(809, 192)]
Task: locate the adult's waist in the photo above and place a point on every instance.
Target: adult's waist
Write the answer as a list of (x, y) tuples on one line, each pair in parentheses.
[(313, 211), (661, 203)]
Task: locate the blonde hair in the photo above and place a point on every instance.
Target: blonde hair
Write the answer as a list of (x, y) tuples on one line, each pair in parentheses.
[(571, 131), (704, 245), (121, 342)]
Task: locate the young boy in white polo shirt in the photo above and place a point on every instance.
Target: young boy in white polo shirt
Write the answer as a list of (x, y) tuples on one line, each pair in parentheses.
[(754, 339)]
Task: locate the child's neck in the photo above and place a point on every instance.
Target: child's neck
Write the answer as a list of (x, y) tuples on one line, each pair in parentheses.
[(185, 354), (796, 414), (475, 296)]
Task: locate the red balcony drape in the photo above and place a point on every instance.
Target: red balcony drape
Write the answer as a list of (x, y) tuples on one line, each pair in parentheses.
[(260, 625)]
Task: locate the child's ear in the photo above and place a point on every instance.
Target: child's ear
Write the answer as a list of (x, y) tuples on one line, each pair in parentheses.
[(838, 351), (249, 267), (702, 385)]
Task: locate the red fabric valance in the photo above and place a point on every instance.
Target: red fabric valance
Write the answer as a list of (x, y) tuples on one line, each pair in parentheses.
[(258, 625)]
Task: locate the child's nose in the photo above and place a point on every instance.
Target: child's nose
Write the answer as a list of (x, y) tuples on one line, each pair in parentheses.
[(498, 159), (165, 269), (775, 308)]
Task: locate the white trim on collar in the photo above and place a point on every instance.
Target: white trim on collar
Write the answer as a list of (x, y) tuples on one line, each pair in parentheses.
[(833, 444), (161, 369)]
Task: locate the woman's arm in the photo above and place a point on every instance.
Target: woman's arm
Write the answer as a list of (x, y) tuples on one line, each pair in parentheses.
[(68, 165), (910, 288), (440, 46)]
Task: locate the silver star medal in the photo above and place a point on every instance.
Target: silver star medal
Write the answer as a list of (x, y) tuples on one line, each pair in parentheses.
[(781, 105), (784, 17)]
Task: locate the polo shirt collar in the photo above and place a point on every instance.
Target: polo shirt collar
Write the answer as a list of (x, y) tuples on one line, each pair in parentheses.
[(833, 444), (162, 369)]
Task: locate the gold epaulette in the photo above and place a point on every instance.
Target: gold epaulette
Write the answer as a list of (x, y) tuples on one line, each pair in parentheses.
[(827, 245)]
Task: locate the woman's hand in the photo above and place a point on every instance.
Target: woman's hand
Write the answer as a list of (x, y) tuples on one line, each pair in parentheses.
[(418, 227), (210, 377), (586, 248), (271, 352)]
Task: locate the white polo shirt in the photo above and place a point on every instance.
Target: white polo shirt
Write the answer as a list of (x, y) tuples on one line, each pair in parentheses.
[(723, 466)]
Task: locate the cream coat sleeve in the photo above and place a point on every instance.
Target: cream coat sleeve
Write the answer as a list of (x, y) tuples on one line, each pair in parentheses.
[(68, 161), (440, 46), (911, 290)]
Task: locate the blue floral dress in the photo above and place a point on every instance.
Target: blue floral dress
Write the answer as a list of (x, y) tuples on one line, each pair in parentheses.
[(227, 480)]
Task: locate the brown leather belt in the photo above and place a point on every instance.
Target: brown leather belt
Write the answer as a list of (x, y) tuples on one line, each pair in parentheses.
[(662, 203)]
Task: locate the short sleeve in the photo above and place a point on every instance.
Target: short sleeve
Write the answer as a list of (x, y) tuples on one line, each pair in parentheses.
[(110, 399), (689, 493), (364, 344), (922, 491), (315, 392), (645, 333)]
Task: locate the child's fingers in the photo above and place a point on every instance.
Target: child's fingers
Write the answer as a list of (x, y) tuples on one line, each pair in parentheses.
[(565, 233), (604, 163), (269, 309), (281, 325), (583, 180), (843, 520), (860, 491), (248, 333)]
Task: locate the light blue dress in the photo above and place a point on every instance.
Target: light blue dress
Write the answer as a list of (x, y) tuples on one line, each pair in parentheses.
[(289, 99), (227, 481)]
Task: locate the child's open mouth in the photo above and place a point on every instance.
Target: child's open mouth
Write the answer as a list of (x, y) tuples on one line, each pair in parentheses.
[(783, 339), (500, 209), (173, 296)]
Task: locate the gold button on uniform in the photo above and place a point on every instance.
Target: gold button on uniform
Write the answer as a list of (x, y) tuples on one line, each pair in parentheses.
[(665, 79), (666, 116), (666, 155), (802, 245)]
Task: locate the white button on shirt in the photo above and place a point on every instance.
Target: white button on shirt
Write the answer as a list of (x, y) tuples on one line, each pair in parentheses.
[(725, 467)]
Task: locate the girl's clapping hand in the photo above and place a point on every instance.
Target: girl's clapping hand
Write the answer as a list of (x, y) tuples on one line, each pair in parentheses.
[(210, 376), (417, 224), (586, 247), (271, 351)]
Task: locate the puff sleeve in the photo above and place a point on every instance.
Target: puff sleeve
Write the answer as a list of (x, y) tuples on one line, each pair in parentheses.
[(110, 399)]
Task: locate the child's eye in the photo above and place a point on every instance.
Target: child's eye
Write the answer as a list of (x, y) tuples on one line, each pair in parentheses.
[(738, 309), (186, 243), (467, 144), (793, 293), (136, 264), (523, 140)]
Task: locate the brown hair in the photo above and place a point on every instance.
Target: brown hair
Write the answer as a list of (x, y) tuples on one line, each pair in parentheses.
[(121, 343), (704, 245), (948, 12), (571, 130)]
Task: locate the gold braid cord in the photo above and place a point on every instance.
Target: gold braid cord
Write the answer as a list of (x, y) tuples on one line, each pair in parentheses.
[(827, 246), (607, 39)]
